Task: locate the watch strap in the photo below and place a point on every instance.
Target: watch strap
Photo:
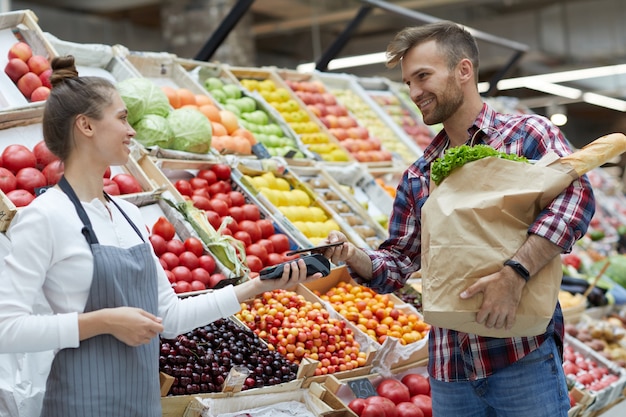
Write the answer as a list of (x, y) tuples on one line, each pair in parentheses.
[(518, 268)]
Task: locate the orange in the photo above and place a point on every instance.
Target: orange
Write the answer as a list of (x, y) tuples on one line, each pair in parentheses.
[(218, 129), (211, 112), (172, 96), (229, 120), (189, 106), (245, 133), (202, 99), (186, 96)]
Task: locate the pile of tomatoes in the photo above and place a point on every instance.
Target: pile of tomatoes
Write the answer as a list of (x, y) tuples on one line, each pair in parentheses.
[(407, 397), (187, 266)]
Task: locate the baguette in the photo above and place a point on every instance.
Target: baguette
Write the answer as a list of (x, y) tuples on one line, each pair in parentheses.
[(596, 153)]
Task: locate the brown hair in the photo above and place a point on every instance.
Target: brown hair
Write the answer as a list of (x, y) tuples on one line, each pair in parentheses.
[(71, 96), (454, 40)]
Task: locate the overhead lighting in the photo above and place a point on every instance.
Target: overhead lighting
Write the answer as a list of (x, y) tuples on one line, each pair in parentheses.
[(543, 86), (557, 114), (605, 101), (347, 62)]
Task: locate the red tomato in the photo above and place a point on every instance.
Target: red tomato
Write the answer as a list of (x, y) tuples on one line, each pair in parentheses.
[(197, 285), (207, 263), (219, 187), (201, 274), (207, 175), (164, 228), (198, 183), (201, 202), (251, 212), (20, 198), (16, 157), (236, 213), (266, 226), (280, 241), (53, 172), (43, 156), (274, 259), (127, 183), (425, 403), (7, 180), (408, 409), (182, 273), (252, 228), (373, 410), (170, 259), (243, 237), (237, 198), (222, 171), (107, 173), (214, 219), (254, 263), (225, 198), (226, 232), (357, 405), (232, 225), (159, 245), (215, 279), (110, 187), (393, 389), (189, 259), (181, 287), (176, 246), (29, 179), (267, 244), (184, 187), (387, 406), (170, 276), (194, 245), (416, 383), (166, 267), (219, 206), (257, 250)]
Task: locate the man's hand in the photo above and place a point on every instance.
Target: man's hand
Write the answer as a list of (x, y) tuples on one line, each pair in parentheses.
[(502, 292)]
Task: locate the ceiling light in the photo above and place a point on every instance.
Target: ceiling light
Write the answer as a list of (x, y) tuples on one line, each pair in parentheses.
[(605, 101), (557, 114)]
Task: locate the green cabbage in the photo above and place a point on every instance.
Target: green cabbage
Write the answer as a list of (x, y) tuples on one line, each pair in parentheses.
[(191, 130), (142, 97), (153, 130)]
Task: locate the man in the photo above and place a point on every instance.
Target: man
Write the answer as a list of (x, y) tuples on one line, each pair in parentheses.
[(473, 375)]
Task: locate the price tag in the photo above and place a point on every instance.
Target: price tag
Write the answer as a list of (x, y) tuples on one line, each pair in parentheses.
[(260, 151), (235, 379), (362, 388)]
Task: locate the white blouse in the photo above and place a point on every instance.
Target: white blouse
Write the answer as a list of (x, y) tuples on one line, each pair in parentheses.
[(50, 257)]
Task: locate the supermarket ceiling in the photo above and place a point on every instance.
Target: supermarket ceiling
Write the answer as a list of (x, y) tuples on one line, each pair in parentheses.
[(560, 35)]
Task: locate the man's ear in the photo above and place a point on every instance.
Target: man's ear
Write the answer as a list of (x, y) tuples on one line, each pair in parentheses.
[(83, 123), (466, 70)]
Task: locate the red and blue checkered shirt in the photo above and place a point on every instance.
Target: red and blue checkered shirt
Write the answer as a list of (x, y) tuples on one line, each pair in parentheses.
[(454, 355)]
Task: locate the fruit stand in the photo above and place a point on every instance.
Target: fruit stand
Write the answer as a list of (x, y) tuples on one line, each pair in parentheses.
[(286, 158)]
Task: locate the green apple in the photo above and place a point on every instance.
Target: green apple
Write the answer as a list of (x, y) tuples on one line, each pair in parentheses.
[(258, 116), (233, 108), (246, 104), (232, 91), (213, 83), (219, 95)]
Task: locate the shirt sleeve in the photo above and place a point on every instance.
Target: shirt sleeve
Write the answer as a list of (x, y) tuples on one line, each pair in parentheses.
[(567, 218)]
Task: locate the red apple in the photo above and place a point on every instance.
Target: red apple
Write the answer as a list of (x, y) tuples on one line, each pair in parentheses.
[(38, 64), (45, 78), (28, 83), (15, 69), (20, 50), (41, 93)]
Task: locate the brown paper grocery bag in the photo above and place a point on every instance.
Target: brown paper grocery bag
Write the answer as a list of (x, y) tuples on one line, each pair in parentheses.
[(471, 223)]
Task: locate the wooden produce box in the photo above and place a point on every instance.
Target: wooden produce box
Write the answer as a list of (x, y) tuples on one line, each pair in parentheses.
[(295, 215), (315, 400), (391, 353), (313, 133), (343, 204), (19, 26), (404, 118), (350, 94)]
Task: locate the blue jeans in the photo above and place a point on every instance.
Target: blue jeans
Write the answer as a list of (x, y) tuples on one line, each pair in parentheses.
[(533, 386)]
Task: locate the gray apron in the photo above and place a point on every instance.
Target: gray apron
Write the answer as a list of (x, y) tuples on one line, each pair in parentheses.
[(104, 377)]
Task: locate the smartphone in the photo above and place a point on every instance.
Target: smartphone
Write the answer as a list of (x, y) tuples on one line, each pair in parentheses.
[(315, 249)]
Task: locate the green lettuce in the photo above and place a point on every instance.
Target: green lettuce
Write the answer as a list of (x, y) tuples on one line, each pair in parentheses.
[(191, 129), (153, 130), (460, 155)]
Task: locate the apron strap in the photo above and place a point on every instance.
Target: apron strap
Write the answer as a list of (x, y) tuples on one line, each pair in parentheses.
[(133, 225), (87, 230)]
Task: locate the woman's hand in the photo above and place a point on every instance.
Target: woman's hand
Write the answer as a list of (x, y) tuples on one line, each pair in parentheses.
[(130, 325)]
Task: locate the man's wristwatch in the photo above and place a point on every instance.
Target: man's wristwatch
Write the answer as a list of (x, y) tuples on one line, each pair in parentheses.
[(518, 268)]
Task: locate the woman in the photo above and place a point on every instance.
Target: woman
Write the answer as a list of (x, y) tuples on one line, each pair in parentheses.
[(90, 256)]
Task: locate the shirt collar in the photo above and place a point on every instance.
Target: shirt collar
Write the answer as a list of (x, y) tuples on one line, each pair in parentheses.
[(483, 130)]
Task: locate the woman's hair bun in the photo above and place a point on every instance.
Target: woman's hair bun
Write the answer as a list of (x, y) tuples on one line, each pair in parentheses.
[(63, 68)]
